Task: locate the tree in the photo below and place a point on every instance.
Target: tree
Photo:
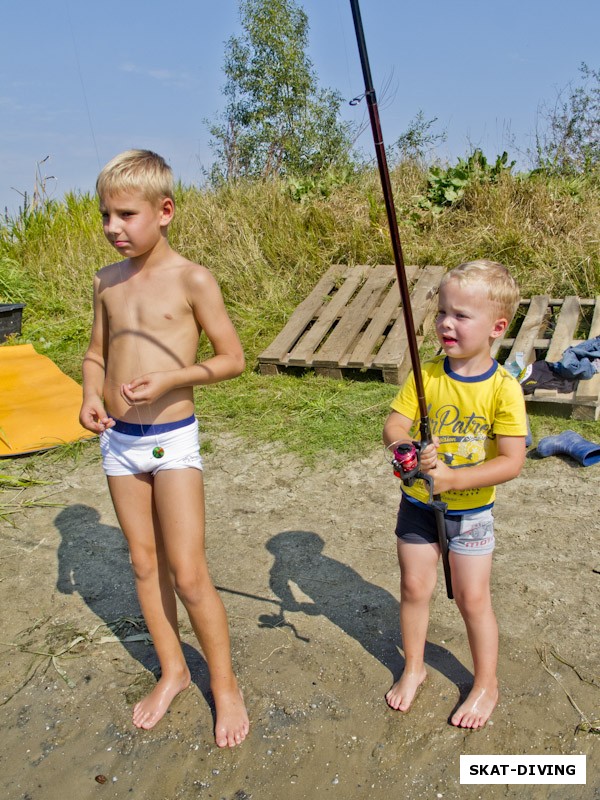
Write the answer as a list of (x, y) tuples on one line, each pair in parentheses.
[(418, 140), (277, 121), (570, 144)]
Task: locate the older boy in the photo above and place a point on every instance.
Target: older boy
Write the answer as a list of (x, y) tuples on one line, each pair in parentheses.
[(138, 374), (477, 416)]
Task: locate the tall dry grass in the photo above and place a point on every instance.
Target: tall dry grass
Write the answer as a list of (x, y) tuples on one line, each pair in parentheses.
[(267, 250)]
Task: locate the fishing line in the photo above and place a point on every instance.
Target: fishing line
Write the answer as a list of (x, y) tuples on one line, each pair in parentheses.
[(403, 458), (158, 451), (79, 72)]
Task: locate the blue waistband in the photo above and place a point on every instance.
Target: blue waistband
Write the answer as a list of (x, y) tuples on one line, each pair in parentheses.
[(134, 429), (449, 512)]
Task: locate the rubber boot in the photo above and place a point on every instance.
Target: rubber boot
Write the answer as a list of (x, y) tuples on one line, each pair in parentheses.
[(571, 444)]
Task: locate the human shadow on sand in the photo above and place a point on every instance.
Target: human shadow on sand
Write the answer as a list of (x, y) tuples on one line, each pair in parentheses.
[(363, 610), (93, 561)]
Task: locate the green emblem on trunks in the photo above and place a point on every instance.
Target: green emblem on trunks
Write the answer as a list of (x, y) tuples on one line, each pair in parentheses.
[(158, 452)]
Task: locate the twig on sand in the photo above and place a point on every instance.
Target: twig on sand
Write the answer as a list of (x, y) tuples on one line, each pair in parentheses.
[(586, 725), (117, 628)]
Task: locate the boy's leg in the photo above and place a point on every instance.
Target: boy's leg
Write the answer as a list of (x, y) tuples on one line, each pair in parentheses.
[(132, 496), (179, 499), (471, 585), (418, 577)]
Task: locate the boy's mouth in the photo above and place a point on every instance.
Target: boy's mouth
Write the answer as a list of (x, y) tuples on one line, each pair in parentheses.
[(448, 341)]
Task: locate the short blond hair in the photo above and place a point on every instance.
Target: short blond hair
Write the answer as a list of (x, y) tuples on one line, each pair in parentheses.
[(500, 288), (138, 171)]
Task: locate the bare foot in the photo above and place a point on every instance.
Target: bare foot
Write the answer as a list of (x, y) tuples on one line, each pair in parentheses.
[(403, 692), (232, 725), (152, 708), (477, 708)]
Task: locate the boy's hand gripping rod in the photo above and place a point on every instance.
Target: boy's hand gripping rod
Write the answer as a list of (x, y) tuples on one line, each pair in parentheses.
[(408, 476)]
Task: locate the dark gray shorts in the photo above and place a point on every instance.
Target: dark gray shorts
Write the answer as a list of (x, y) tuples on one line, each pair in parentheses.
[(469, 534)]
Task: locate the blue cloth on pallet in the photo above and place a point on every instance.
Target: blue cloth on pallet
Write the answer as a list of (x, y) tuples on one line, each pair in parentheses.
[(580, 361)]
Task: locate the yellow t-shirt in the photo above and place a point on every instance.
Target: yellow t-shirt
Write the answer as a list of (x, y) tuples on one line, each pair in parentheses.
[(466, 414)]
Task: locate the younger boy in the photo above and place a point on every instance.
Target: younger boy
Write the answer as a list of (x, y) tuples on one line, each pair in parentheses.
[(138, 374), (477, 416)]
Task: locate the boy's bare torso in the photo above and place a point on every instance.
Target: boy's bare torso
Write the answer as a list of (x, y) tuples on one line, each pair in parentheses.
[(148, 326)]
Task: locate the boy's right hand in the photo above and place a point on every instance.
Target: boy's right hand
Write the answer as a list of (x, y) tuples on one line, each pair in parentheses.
[(428, 456), (93, 416)]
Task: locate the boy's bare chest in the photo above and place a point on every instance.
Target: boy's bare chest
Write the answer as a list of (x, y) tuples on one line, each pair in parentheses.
[(147, 306)]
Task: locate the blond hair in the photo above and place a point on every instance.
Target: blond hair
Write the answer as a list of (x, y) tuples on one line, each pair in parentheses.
[(136, 171), (500, 288)]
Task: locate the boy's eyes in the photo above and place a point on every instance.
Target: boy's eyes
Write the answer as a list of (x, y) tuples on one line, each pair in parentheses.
[(459, 314), (122, 214)]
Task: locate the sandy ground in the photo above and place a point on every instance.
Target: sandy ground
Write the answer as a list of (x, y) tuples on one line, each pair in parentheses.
[(306, 561)]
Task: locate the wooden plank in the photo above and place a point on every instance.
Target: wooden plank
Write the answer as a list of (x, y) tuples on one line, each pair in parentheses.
[(587, 396), (390, 308), (354, 317), (278, 349), (562, 338), (530, 327), (302, 353), (393, 350), (566, 326)]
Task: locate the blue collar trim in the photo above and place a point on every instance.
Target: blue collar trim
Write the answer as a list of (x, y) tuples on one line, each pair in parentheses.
[(473, 378)]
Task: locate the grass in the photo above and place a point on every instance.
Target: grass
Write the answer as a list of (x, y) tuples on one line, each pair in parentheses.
[(268, 250), (309, 415)]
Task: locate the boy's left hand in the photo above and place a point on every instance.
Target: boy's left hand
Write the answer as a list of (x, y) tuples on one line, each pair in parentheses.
[(442, 476), (146, 389)]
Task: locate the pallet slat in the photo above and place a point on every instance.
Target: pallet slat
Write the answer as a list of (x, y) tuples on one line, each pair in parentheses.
[(387, 311), (353, 319), (564, 333), (301, 355), (393, 357), (304, 312), (534, 320), (588, 391)]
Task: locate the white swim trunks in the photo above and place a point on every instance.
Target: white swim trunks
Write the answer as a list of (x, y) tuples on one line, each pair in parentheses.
[(130, 449)]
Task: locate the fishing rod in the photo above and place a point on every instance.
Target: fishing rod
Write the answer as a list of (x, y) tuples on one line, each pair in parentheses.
[(406, 462)]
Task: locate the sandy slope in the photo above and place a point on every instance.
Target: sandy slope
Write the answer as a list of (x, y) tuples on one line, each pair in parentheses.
[(306, 559)]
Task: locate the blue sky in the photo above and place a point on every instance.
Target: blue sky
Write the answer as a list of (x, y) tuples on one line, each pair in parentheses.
[(81, 81)]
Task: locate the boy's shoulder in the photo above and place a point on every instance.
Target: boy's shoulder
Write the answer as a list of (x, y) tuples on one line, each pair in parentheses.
[(110, 272)]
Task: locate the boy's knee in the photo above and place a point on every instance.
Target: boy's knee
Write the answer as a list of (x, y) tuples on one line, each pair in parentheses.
[(144, 565), (473, 602), (189, 586), (415, 588)]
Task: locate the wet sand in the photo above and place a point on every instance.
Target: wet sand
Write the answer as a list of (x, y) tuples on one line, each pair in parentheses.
[(306, 562)]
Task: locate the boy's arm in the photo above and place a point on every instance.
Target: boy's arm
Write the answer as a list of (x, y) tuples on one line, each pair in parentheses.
[(210, 312), (93, 415), (505, 466), (397, 429)]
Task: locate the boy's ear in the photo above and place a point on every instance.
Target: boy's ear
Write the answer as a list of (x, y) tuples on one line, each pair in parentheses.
[(500, 325), (167, 207)]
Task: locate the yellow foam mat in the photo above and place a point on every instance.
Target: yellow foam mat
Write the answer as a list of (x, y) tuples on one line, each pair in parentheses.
[(39, 404)]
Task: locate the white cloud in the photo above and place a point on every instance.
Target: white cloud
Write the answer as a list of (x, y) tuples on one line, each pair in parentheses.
[(165, 76)]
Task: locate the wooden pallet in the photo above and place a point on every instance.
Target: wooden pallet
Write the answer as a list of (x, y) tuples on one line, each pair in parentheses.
[(353, 320), (543, 329)]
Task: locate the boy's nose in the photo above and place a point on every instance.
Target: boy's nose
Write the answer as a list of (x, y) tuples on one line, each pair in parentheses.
[(112, 225)]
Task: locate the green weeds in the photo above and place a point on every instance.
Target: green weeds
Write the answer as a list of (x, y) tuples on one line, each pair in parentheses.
[(269, 242)]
